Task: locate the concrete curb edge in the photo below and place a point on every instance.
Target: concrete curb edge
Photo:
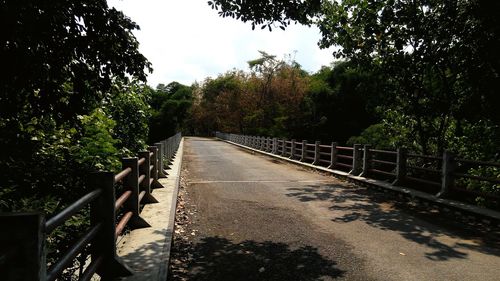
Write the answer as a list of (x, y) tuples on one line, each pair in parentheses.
[(163, 272)]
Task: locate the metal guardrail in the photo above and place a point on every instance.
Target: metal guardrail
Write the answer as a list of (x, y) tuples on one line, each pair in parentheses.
[(399, 166), (28, 232)]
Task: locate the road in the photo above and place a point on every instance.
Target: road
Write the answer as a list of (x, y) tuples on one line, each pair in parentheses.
[(261, 219)]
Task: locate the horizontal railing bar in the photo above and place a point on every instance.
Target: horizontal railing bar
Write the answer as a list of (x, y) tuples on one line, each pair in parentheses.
[(310, 144), (73, 251), (344, 147), (141, 178), (424, 156), (91, 269), (119, 202), (121, 175), (382, 162), (423, 181), (480, 178), (384, 151), (343, 165), (325, 153), (382, 172), (123, 222), (325, 146), (72, 209), (310, 158), (485, 163), (141, 161), (141, 195), (424, 169), (288, 142), (324, 161), (344, 156)]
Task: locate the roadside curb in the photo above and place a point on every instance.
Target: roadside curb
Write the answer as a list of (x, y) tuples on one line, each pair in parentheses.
[(487, 214), (173, 208), (147, 250)]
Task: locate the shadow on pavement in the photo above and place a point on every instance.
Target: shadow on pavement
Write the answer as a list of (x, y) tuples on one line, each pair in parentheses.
[(146, 260), (415, 223), (216, 258)]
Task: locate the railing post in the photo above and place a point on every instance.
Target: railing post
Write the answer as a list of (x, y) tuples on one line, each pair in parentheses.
[(275, 146), (269, 145), (145, 185), (164, 152), (447, 178), (316, 153), (131, 182), (283, 150), (304, 151), (103, 211), (292, 149), (366, 160), (356, 160), (22, 246), (400, 166), (161, 171), (154, 172), (333, 155)]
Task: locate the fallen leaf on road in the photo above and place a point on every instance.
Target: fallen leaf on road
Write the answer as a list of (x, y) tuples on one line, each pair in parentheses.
[(403, 254), (262, 269)]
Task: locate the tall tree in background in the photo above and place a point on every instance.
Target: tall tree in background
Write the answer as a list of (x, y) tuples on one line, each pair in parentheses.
[(439, 57), (170, 104)]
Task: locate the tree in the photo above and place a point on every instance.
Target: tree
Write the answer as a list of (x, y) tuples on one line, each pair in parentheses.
[(128, 107), (59, 111), (438, 57), (60, 57), (267, 13), (341, 102), (170, 104)]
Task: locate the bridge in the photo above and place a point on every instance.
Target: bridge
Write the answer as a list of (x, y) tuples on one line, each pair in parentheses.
[(274, 209)]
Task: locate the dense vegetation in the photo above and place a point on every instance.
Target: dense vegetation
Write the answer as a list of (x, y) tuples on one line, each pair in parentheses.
[(433, 62), (424, 74)]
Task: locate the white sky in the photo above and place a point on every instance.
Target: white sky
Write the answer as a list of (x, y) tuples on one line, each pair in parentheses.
[(187, 41)]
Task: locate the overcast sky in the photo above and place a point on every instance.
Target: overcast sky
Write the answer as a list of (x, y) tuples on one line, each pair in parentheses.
[(186, 41)]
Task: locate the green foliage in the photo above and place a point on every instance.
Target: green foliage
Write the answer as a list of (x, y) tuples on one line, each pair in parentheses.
[(63, 57), (96, 149), (129, 108), (170, 105), (267, 13), (341, 102), (434, 61), (376, 135)]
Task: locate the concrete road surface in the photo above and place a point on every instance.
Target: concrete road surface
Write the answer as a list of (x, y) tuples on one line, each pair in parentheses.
[(260, 219)]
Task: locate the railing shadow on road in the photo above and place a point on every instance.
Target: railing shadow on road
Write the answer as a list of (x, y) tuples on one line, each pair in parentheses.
[(217, 258), (413, 222)]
